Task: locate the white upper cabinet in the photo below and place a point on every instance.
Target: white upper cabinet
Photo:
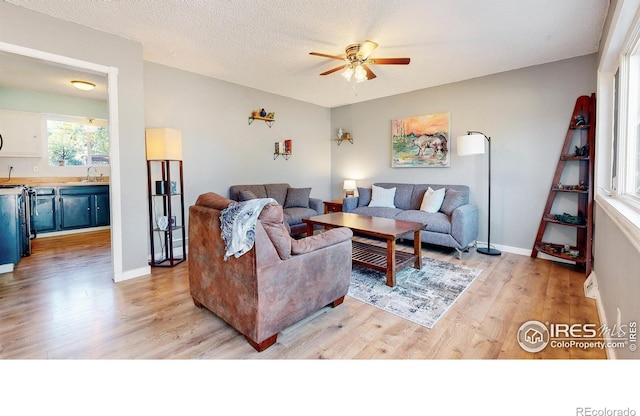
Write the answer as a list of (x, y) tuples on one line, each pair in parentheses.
[(21, 133)]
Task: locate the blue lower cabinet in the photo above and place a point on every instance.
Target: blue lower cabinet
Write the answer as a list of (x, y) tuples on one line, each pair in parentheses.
[(71, 207), (44, 213), (9, 229), (103, 210), (75, 211)]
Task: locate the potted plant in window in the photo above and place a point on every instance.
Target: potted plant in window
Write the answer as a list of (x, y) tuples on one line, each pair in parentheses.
[(62, 158), (60, 153)]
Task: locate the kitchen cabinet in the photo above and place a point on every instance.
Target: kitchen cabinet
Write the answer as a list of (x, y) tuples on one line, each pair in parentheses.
[(75, 210), (10, 226), (71, 207), (43, 217), (83, 206), (21, 133), (102, 211)]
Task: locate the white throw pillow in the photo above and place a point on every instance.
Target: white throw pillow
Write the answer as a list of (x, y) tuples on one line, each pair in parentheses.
[(432, 200), (381, 197)]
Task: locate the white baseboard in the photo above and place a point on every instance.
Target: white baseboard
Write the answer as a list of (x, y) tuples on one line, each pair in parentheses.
[(594, 293), (6, 268), (131, 274), (591, 291), (591, 287), (506, 249)]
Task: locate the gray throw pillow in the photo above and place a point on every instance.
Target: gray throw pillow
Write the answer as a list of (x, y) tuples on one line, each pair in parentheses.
[(364, 196), (245, 195), (452, 200), (297, 198)]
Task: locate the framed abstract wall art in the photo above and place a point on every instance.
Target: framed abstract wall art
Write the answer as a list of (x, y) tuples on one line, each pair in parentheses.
[(421, 142)]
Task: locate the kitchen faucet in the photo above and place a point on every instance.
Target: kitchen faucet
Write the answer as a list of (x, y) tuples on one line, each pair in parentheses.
[(95, 174)]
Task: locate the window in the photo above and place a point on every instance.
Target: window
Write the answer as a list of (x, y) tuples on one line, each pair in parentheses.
[(77, 141), (626, 142), (632, 174), (616, 119)]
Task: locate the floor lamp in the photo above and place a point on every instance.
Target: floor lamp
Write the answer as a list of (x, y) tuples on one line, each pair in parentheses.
[(473, 144)]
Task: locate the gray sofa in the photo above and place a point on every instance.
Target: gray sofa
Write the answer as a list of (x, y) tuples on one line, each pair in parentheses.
[(296, 202), (455, 225)]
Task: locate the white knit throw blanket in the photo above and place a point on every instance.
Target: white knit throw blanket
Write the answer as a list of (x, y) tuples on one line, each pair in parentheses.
[(238, 223)]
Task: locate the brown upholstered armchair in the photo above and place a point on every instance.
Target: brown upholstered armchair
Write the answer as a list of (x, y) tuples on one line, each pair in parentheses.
[(272, 286)]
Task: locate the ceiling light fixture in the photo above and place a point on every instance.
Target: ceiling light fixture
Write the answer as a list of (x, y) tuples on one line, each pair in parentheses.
[(356, 61), (83, 85), (348, 73), (360, 74), (356, 71)]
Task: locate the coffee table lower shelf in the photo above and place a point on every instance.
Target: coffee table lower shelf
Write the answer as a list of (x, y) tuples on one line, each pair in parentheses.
[(375, 257)]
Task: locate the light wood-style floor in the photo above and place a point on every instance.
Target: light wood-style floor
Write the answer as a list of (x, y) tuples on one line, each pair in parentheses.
[(61, 303)]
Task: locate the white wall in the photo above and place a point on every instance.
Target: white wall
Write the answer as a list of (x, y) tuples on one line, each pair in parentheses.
[(526, 113), (25, 28), (221, 149), (617, 269)]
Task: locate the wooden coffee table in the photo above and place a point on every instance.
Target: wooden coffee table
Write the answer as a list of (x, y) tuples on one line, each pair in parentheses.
[(371, 256)]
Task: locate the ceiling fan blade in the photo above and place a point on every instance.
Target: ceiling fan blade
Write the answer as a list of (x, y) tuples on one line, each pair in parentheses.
[(331, 71), (370, 74), (389, 61), (366, 49), (324, 55)]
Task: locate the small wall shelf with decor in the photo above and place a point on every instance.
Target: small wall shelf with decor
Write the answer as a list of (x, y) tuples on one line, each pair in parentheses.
[(268, 118), (343, 136), (284, 149)]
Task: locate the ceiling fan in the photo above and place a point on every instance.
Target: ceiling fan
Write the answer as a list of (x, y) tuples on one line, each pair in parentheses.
[(356, 59)]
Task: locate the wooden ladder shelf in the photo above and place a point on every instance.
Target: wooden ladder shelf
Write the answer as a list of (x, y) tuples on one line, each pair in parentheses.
[(581, 133)]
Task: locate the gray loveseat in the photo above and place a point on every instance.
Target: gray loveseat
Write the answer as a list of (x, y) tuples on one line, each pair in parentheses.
[(296, 202), (455, 225)]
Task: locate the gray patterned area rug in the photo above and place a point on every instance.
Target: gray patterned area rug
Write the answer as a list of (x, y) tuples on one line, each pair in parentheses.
[(420, 296)]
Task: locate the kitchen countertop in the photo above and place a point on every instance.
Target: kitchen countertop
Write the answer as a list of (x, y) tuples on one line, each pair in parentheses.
[(51, 181), (58, 184)]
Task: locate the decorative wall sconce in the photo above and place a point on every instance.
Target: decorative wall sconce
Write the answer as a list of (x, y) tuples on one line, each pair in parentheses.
[(342, 136)]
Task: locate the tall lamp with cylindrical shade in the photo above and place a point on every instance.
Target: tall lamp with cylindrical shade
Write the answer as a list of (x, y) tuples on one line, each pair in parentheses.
[(164, 147), (473, 144)]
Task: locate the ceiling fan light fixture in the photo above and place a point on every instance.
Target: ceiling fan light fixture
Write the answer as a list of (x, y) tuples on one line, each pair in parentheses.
[(356, 61), (83, 85), (360, 74), (347, 73)]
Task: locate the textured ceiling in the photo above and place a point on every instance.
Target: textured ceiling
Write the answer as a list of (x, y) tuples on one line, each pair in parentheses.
[(266, 44)]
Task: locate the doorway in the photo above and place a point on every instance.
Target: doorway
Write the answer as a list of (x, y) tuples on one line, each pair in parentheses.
[(109, 75)]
